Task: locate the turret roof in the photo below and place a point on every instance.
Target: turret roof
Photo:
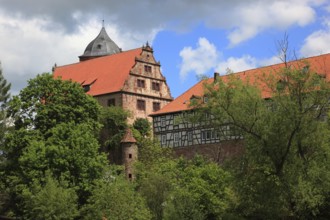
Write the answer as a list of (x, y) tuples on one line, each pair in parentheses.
[(102, 45)]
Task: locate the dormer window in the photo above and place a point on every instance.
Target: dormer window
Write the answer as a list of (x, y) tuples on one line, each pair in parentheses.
[(194, 98), (205, 99), (86, 88)]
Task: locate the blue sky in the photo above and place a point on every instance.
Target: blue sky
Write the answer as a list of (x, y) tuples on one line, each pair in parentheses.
[(190, 37)]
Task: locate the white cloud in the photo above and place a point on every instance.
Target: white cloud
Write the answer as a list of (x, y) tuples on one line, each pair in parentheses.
[(255, 18), (244, 18), (28, 48), (236, 64), (269, 61), (206, 57), (198, 60), (318, 42)]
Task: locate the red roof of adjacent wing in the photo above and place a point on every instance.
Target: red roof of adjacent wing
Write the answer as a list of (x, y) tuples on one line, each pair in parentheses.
[(319, 64), (104, 74)]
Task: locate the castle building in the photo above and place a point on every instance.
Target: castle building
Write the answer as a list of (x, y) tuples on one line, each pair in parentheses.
[(130, 79), (186, 138)]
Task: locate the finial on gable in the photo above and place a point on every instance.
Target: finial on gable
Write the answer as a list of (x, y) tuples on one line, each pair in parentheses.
[(147, 47)]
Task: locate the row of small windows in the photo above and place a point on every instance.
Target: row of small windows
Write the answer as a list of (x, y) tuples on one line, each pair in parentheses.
[(142, 84), (140, 104), (176, 138)]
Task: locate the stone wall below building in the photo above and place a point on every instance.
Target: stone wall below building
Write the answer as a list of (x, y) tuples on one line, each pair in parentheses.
[(217, 152)]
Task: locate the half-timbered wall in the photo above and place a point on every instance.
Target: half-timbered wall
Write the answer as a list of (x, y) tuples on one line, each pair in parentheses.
[(175, 130)]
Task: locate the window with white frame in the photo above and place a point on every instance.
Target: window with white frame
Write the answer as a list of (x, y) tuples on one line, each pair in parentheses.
[(190, 135), (163, 139), (176, 137), (206, 135), (163, 121)]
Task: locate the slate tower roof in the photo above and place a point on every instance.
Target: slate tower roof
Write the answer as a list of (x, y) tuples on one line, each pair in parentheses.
[(102, 45)]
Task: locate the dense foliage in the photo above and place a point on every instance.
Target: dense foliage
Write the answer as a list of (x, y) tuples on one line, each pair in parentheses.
[(4, 97), (284, 170), (113, 197), (56, 127), (4, 127)]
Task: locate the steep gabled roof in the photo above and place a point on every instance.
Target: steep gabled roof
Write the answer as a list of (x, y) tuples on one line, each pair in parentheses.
[(319, 64), (103, 75)]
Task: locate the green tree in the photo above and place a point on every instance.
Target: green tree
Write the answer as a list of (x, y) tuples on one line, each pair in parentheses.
[(183, 189), (154, 172), (115, 198), (201, 190), (143, 126), (286, 139), (46, 102), (50, 201), (4, 97), (56, 129), (114, 121)]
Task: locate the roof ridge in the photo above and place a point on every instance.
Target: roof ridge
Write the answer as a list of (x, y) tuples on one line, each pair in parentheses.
[(280, 63), (98, 58)]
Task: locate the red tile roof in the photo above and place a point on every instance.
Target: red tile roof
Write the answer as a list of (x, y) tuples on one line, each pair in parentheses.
[(104, 75), (319, 64)]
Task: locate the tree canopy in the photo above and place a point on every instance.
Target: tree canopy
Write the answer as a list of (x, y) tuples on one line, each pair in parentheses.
[(56, 131), (286, 139)]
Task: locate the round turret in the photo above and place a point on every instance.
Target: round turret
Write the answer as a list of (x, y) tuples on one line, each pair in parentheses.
[(102, 45)]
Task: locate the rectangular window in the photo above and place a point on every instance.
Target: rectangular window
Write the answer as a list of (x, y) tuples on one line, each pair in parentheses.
[(130, 156), (206, 135), (155, 86), (155, 106), (163, 121), (163, 139), (215, 134), (190, 136), (141, 104), (147, 69), (176, 137), (140, 83), (111, 102), (205, 99)]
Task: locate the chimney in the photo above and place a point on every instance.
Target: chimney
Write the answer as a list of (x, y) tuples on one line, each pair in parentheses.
[(216, 76)]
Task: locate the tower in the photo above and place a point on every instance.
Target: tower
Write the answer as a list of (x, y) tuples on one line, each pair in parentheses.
[(129, 153)]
